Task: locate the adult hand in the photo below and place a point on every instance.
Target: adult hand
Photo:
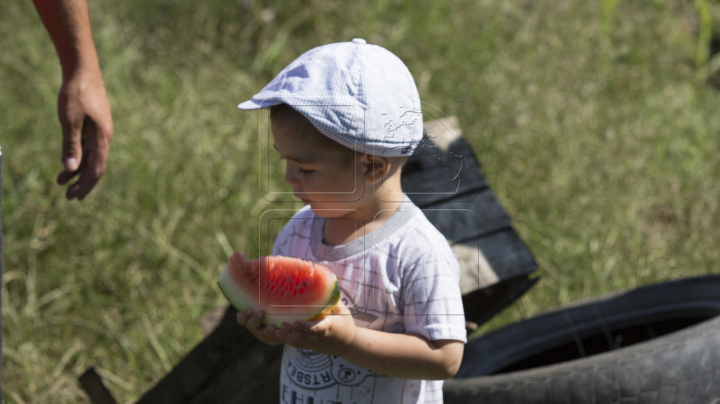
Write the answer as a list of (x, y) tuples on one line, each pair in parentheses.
[(83, 106), (254, 324), (87, 127), (331, 335)]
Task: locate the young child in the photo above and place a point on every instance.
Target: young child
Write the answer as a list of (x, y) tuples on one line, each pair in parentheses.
[(345, 116)]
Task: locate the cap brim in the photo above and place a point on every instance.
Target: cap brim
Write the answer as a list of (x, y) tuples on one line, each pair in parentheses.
[(251, 104)]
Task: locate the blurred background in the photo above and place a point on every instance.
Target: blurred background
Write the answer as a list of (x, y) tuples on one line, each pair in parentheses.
[(596, 124)]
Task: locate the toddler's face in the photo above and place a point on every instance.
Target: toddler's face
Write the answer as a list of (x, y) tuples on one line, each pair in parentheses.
[(321, 172)]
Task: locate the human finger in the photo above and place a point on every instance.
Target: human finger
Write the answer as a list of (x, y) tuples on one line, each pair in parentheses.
[(66, 176), (300, 334), (340, 309), (243, 316), (269, 331), (70, 158), (73, 188), (286, 338), (255, 322), (307, 326), (72, 124), (94, 161)]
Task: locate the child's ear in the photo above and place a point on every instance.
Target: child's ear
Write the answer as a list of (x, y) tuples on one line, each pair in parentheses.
[(376, 168)]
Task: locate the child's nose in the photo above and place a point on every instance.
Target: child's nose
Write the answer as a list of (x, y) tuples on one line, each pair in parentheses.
[(291, 176)]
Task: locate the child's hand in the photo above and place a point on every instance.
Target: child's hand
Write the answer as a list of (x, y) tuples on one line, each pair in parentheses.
[(330, 335), (253, 323)]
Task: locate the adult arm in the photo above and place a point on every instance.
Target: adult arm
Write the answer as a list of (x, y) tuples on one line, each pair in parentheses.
[(83, 106)]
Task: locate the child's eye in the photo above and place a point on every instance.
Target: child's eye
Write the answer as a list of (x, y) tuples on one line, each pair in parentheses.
[(305, 171)]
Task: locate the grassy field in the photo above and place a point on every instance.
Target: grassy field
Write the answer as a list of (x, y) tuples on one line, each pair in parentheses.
[(592, 121)]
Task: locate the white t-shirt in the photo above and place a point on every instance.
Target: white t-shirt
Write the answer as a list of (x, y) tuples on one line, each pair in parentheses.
[(400, 278)]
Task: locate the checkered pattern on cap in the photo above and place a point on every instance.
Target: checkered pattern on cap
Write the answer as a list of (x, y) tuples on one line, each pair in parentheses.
[(360, 95)]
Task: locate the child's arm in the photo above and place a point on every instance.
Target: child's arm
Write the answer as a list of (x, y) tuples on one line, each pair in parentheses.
[(400, 355)]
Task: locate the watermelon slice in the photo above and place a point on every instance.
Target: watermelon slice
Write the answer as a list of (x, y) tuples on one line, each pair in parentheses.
[(287, 289)]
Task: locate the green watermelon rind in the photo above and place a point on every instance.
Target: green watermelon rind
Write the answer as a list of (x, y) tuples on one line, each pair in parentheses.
[(272, 318)]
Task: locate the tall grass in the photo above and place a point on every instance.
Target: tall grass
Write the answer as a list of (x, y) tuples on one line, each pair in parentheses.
[(589, 121)]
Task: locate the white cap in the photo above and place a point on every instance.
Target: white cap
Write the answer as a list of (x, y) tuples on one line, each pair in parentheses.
[(362, 96)]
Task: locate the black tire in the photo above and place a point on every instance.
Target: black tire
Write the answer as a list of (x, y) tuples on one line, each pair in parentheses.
[(570, 355)]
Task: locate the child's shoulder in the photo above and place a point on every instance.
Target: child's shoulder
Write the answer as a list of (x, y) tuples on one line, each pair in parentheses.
[(419, 235), (421, 252)]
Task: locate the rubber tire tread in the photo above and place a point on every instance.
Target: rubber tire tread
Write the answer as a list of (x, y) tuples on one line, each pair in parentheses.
[(679, 368)]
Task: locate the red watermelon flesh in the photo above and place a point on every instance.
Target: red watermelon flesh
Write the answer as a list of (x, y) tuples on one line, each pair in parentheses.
[(286, 289)]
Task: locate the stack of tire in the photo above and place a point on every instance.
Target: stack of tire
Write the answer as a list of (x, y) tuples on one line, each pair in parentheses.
[(656, 344)]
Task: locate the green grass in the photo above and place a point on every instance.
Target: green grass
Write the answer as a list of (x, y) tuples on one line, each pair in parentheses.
[(590, 122)]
